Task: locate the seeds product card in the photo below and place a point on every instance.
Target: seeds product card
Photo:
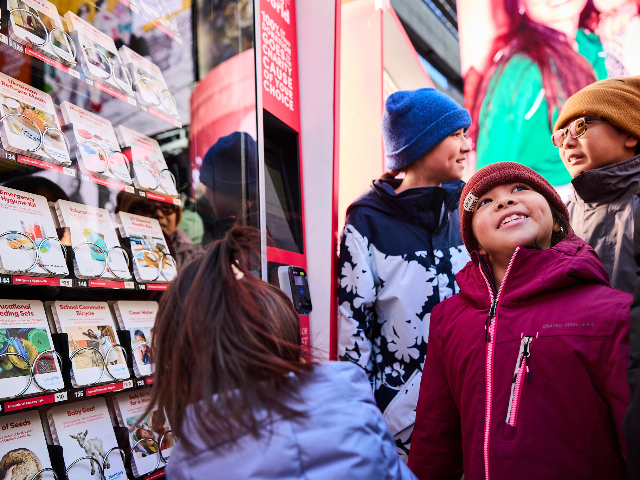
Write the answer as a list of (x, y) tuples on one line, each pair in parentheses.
[(96, 143), (32, 232), (94, 240), (22, 444), (29, 114), (148, 248), (24, 330), (90, 324), (149, 165), (139, 318), (98, 54), (84, 429), (148, 82), (36, 24), (149, 432)]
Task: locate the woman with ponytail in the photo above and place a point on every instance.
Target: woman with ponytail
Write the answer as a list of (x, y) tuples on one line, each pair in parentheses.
[(242, 401), (546, 55)]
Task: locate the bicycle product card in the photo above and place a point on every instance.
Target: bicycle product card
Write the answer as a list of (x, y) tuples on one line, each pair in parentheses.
[(149, 433), (148, 82), (22, 443), (149, 166), (28, 220), (84, 429), (96, 144), (90, 328), (97, 54), (31, 126), (149, 248), (36, 24), (139, 318), (24, 330), (94, 239)]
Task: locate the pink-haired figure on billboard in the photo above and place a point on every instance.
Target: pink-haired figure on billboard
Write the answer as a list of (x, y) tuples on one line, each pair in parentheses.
[(536, 54)]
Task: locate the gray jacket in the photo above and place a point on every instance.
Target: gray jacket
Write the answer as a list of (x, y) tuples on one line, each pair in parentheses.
[(602, 214), (343, 436)]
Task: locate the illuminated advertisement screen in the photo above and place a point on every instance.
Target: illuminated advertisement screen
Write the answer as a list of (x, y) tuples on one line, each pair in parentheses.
[(521, 59)]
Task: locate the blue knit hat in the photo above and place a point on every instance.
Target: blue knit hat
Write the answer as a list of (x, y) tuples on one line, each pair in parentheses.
[(222, 164), (415, 121)]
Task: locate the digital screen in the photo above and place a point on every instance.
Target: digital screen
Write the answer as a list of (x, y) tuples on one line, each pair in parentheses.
[(298, 280)]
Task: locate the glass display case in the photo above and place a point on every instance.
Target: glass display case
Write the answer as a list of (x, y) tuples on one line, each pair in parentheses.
[(133, 133)]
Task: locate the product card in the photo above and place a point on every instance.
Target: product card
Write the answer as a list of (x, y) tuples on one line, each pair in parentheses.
[(36, 24), (24, 330), (139, 318), (153, 430), (90, 324), (96, 144), (94, 240), (29, 113), (98, 54), (151, 257), (22, 444), (28, 219), (84, 429), (149, 165), (148, 82)]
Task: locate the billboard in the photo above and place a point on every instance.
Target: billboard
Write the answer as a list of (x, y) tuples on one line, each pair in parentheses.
[(521, 59)]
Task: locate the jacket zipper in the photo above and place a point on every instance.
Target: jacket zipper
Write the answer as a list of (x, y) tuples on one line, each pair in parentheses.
[(521, 372), (490, 338)]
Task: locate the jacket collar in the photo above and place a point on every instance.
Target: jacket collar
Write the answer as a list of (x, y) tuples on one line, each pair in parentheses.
[(428, 206), (534, 272), (608, 183)]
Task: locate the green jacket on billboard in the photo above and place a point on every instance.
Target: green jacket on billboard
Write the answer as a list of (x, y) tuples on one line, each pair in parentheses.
[(516, 128)]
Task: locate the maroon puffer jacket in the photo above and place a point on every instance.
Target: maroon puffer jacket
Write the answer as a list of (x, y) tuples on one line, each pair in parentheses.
[(541, 391)]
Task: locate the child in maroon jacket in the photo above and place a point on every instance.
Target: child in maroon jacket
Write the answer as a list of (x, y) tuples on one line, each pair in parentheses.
[(525, 371)]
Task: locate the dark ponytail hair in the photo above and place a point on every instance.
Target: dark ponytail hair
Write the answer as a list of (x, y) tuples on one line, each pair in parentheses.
[(563, 222), (222, 332), (564, 71)]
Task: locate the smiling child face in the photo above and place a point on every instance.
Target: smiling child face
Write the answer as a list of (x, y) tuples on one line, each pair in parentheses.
[(509, 216)]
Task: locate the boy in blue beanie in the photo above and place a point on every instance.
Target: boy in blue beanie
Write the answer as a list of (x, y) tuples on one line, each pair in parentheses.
[(401, 247)]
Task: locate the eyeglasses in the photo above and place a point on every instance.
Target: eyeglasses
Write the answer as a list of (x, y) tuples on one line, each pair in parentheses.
[(148, 209), (577, 129), (56, 37)]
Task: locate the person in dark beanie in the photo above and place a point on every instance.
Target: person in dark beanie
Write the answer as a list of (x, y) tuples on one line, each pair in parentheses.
[(400, 250), (229, 173), (598, 137), (525, 372)]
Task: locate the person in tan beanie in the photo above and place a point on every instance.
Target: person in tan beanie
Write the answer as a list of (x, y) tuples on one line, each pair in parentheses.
[(598, 136)]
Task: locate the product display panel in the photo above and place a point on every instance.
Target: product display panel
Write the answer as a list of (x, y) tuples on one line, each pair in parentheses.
[(128, 144)]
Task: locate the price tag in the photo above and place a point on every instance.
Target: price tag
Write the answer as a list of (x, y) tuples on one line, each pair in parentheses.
[(127, 384), (10, 156), (3, 38), (142, 194), (129, 189), (143, 108), (89, 81), (17, 47), (179, 40), (176, 201), (74, 73), (131, 101), (5, 279), (85, 178), (139, 383), (69, 171), (142, 287), (66, 282), (61, 396), (129, 285), (79, 394), (83, 283)]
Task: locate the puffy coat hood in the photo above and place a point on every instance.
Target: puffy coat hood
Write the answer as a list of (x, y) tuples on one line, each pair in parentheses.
[(569, 262)]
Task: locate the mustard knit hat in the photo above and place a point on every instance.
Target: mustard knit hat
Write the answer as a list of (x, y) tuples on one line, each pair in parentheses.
[(617, 100)]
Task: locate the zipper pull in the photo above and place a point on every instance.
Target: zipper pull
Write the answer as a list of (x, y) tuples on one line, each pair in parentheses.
[(487, 323), (528, 379)]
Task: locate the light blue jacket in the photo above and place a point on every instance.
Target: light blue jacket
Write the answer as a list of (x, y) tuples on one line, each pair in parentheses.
[(343, 436)]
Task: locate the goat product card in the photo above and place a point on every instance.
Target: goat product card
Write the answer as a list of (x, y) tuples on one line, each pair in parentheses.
[(149, 166), (22, 444), (32, 232), (84, 429), (24, 330), (90, 324), (98, 54), (149, 433), (151, 260), (94, 239), (29, 114), (139, 318), (96, 144), (37, 25)]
